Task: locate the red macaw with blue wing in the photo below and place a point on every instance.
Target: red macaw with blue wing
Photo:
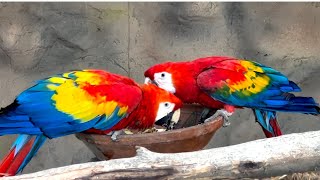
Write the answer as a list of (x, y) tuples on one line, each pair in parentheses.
[(74, 102), (227, 83)]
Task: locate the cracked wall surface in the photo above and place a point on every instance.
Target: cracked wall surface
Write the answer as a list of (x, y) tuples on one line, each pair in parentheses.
[(41, 39)]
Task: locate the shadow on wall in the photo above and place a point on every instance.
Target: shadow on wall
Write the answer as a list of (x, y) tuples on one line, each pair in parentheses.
[(41, 39)]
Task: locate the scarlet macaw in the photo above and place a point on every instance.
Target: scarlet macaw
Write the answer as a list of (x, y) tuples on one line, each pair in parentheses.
[(227, 83), (74, 102)]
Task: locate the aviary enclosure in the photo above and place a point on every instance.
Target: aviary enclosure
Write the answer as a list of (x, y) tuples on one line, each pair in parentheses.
[(41, 39)]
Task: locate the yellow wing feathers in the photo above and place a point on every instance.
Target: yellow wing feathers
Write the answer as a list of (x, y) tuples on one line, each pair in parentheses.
[(71, 99), (254, 80)]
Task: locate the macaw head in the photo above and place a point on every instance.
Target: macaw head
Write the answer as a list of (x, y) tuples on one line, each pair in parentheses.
[(162, 75), (163, 102)]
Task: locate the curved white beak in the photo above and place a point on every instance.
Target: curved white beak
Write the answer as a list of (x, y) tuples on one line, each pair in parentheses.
[(147, 81)]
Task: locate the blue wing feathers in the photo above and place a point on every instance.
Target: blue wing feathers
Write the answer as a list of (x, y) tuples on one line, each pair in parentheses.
[(42, 86), (295, 87), (34, 117), (110, 121), (286, 88), (35, 97), (278, 79), (273, 92), (67, 128), (25, 124), (45, 118), (33, 110), (12, 118), (20, 130), (270, 70), (277, 96)]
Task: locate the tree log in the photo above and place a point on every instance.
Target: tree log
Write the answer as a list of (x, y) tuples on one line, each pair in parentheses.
[(256, 159)]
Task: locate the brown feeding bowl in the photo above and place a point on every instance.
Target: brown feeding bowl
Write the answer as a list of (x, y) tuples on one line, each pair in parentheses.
[(187, 137)]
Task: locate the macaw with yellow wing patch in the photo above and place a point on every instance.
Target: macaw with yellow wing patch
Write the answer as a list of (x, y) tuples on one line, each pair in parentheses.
[(77, 101), (227, 83)]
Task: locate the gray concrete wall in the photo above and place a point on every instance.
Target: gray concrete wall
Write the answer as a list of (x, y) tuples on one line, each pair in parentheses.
[(41, 39)]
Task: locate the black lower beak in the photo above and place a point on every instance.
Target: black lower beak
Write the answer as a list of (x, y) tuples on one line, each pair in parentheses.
[(165, 121), (154, 82)]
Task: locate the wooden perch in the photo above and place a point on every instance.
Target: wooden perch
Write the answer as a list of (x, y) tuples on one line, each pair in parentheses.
[(255, 159)]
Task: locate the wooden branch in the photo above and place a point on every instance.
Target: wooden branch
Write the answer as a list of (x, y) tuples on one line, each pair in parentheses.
[(255, 159)]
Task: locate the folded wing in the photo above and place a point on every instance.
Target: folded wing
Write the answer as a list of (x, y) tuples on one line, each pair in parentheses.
[(71, 102)]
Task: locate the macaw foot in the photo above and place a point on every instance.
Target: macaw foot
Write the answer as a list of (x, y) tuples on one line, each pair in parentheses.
[(114, 135), (206, 114), (225, 114), (150, 130)]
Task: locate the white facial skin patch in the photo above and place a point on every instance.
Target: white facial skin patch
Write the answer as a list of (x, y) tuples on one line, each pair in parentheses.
[(164, 81), (164, 109)]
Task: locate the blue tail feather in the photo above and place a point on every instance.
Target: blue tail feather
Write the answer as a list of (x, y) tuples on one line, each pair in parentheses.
[(268, 122), (264, 117), (260, 118), (297, 109), (276, 102), (287, 102), (20, 141), (307, 101)]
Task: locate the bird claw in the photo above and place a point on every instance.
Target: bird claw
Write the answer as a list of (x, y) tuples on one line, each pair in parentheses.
[(225, 114), (226, 122), (206, 115), (115, 135), (150, 130)]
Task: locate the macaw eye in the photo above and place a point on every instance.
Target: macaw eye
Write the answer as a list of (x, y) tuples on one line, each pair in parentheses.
[(166, 104), (163, 74)]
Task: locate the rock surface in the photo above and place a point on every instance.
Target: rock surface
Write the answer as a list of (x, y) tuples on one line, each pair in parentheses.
[(41, 39)]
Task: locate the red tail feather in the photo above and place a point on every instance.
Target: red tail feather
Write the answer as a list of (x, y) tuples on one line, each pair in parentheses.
[(11, 163), (276, 129), (20, 157), (5, 163)]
